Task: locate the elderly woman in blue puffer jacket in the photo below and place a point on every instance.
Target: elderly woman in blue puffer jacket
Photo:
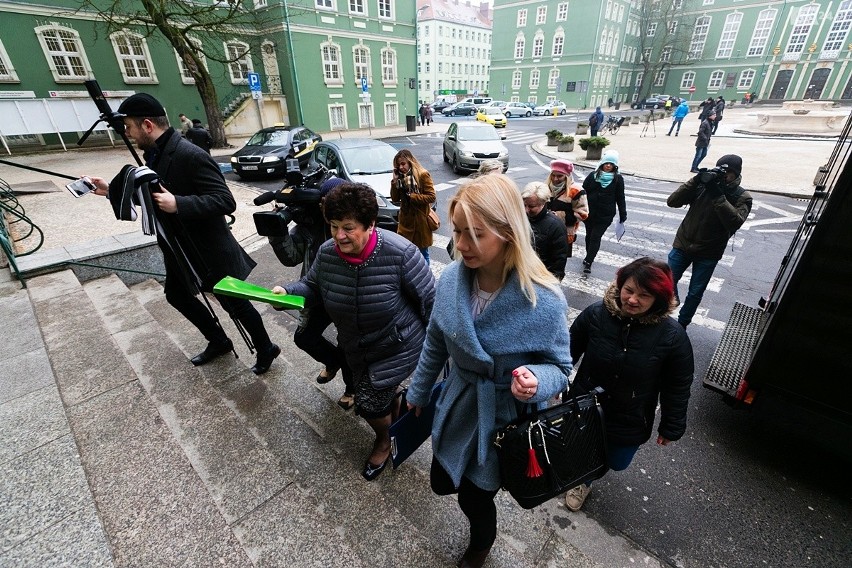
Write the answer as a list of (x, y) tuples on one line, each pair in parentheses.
[(378, 291), (502, 319)]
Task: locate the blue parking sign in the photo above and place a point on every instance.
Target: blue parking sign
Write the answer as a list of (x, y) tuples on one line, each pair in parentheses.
[(364, 83), (254, 81)]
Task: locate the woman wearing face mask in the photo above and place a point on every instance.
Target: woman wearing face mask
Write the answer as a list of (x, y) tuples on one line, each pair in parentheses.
[(604, 190)]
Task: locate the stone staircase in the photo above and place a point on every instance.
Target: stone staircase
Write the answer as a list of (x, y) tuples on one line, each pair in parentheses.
[(117, 452)]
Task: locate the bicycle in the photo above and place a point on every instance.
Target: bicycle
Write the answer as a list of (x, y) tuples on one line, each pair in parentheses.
[(612, 125)]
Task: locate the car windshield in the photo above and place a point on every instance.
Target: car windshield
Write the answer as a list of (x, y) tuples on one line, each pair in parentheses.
[(369, 160), (494, 111), (270, 138), (476, 134)]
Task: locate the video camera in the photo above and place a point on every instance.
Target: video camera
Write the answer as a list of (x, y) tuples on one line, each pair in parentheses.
[(301, 199)]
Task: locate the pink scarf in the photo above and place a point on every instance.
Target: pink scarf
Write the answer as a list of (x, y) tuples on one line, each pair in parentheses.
[(365, 252)]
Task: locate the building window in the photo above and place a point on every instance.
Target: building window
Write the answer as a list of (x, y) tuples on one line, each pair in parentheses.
[(361, 63), (729, 35), (134, 59), (239, 62), (761, 32), (386, 9), (522, 18), (331, 63), (538, 45), (673, 27), (541, 15), (186, 76), (562, 11), (259, 4), (660, 79), (652, 29), (614, 46), (519, 47), (715, 80), (708, 2), (746, 79), (532, 99), (325, 4), (7, 72), (608, 11), (64, 54), (558, 43), (357, 7), (392, 112), (699, 37), (621, 13), (534, 78), (639, 77), (666, 54), (838, 31), (801, 30), (388, 67), (553, 79), (687, 80), (365, 115), (337, 117), (646, 54), (516, 79)]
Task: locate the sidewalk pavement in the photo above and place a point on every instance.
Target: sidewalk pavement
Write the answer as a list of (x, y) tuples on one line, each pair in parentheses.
[(770, 164)]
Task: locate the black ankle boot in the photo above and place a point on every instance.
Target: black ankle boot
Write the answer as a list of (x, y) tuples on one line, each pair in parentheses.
[(265, 359)]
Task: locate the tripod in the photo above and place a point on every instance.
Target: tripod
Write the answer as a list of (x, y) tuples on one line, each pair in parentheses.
[(652, 120)]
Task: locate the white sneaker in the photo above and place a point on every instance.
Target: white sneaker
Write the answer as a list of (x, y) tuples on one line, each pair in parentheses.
[(575, 498)]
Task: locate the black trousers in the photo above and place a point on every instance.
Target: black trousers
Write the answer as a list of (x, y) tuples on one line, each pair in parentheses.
[(309, 339), (194, 310), (594, 233), (477, 505)]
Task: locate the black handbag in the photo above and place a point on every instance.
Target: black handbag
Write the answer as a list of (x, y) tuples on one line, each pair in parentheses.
[(545, 453)]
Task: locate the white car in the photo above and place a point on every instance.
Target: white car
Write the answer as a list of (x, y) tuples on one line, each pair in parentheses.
[(547, 108), (517, 109)]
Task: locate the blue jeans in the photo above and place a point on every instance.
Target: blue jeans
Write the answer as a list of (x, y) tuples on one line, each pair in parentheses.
[(700, 154), (425, 252), (618, 457), (702, 271), (676, 121)]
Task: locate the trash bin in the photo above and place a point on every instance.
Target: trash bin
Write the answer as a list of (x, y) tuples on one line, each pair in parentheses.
[(410, 123), (617, 106)]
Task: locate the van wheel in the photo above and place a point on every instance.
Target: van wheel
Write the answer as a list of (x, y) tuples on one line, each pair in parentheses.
[(452, 113), (562, 112)]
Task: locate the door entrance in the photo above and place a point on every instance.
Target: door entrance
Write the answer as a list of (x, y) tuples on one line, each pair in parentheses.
[(782, 81), (817, 83)]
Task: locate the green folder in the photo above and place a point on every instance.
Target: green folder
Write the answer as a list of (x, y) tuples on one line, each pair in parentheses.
[(237, 288)]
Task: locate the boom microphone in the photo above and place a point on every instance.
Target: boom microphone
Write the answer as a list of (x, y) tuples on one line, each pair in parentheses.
[(265, 198)]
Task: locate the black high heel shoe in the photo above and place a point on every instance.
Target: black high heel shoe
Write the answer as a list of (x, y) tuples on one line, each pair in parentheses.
[(371, 471)]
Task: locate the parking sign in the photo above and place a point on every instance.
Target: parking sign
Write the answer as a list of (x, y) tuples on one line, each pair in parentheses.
[(364, 83), (254, 82)]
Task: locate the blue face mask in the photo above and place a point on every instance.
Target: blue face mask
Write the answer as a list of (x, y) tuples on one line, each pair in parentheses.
[(605, 178)]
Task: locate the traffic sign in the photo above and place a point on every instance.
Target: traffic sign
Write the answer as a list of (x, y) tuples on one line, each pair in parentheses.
[(364, 83), (692, 89), (254, 82)]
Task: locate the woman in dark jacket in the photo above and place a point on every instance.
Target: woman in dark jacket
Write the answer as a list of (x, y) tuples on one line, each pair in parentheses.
[(604, 190), (378, 291), (550, 235), (639, 355)]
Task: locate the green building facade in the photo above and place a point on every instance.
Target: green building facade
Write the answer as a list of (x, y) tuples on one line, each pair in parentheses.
[(586, 53), (311, 56)]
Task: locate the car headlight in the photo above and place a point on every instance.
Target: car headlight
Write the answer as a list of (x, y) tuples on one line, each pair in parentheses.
[(267, 159), (466, 153), (234, 159), (504, 154)]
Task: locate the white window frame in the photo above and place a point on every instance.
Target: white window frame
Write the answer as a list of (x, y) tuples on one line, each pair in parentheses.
[(357, 7), (392, 111), (699, 37), (558, 48), (708, 2), (687, 80), (326, 5), (562, 12), (258, 4), (388, 62), (553, 78), (660, 79), (538, 45), (517, 78), (801, 30), (762, 29), (838, 31), (522, 18), (387, 9), (541, 15), (365, 110), (332, 122), (332, 63), (666, 53), (133, 59), (238, 69), (608, 10), (746, 79), (614, 45), (532, 99), (652, 30), (535, 78), (66, 55), (716, 79), (520, 44), (729, 35), (639, 77), (185, 76), (672, 27), (361, 65), (8, 73)]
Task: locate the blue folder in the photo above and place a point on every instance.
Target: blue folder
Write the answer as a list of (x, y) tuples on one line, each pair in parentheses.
[(409, 431)]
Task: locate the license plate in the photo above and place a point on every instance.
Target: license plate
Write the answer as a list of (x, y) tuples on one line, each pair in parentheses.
[(249, 167)]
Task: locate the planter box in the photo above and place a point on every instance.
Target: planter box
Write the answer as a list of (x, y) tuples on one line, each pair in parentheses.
[(582, 130), (634, 120), (594, 152), (552, 142), (567, 147)]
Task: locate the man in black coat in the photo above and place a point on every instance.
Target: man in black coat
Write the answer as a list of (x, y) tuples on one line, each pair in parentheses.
[(199, 136), (191, 206)]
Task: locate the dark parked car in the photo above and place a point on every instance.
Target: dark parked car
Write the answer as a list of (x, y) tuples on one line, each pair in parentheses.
[(650, 102), (462, 108), (265, 152), (439, 106), (362, 160)]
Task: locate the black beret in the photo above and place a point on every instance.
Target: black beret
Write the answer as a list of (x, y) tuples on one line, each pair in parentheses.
[(141, 105)]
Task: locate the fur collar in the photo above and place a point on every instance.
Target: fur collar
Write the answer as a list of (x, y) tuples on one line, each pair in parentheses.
[(651, 318)]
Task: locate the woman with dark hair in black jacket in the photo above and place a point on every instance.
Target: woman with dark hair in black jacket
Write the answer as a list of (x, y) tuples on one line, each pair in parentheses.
[(639, 355)]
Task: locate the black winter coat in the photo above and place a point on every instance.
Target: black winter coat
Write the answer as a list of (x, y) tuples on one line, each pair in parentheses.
[(603, 200), (380, 307), (550, 241), (637, 362)]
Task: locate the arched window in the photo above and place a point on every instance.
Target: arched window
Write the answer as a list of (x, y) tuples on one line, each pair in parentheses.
[(715, 79), (516, 79), (331, 63), (388, 67), (699, 37), (361, 62), (239, 61), (553, 78), (186, 75), (687, 80), (519, 46), (538, 44), (558, 42)]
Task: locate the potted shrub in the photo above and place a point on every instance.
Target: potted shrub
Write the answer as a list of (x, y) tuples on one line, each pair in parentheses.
[(566, 144), (582, 127), (553, 137), (594, 146)]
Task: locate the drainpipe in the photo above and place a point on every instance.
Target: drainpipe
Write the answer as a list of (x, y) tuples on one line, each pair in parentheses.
[(293, 65)]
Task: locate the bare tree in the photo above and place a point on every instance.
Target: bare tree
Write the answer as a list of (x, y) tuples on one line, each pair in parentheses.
[(186, 25), (664, 38)]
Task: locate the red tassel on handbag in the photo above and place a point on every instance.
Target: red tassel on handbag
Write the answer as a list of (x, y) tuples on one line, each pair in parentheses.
[(533, 469)]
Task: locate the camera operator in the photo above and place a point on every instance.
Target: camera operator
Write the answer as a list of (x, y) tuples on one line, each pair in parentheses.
[(300, 245), (192, 199), (718, 206)]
